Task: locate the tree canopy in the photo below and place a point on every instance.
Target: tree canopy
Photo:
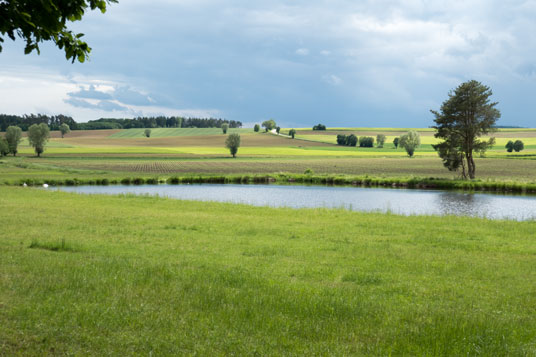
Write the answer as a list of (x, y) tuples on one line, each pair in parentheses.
[(269, 124), (410, 141), (233, 143), (54, 122), (38, 135), (13, 138), (463, 118), (65, 129), (47, 20)]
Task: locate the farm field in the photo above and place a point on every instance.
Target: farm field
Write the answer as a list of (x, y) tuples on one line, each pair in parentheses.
[(144, 275), (116, 153)]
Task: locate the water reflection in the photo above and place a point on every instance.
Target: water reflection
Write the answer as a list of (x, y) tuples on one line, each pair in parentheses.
[(409, 202)]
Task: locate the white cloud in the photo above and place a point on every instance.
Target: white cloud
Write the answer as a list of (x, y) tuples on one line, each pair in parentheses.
[(332, 79), (240, 55), (26, 90)]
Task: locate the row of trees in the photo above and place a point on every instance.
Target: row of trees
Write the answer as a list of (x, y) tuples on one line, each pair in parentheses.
[(364, 141), (409, 141), (347, 140), (516, 146), (25, 121), (55, 121), (38, 135), (319, 127)]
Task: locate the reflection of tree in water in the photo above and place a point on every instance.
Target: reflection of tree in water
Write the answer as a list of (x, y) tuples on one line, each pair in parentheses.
[(462, 204)]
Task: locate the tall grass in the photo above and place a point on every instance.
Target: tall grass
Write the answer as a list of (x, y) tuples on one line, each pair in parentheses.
[(307, 178), (167, 277)]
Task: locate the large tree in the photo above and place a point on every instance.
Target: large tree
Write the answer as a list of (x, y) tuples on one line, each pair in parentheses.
[(463, 118), (13, 138), (36, 21), (233, 143), (38, 135), (65, 129), (269, 124), (410, 141)]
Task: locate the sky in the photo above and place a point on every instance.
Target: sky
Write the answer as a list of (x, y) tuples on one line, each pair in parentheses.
[(370, 63)]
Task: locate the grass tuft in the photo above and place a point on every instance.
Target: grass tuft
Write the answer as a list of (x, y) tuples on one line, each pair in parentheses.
[(60, 246)]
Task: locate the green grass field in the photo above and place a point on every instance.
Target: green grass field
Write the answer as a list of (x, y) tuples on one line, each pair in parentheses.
[(122, 275)]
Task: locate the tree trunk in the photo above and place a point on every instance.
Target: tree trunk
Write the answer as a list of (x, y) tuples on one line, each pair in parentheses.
[(470, 165), (464, 175)]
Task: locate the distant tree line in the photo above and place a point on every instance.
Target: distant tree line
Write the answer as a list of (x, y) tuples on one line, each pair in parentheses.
[(25, 121), (54, 122), (319, 127), (352, 140)]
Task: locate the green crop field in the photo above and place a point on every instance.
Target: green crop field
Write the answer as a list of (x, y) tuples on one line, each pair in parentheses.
[(143, 275), (170, 132)]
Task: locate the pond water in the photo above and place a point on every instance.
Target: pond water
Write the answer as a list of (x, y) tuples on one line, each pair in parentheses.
[(399, 201)]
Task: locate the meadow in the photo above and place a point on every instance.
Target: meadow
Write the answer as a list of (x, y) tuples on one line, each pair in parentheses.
[(146, 275)]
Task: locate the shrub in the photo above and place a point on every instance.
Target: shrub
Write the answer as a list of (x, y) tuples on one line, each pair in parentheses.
[(65, 129), (256, 128), (278, 129), (147, 133), (410, 142), (269, 124), (4, 147), (351, 140), (152, 181), (518, 146), (395, 142), (366, 142), (348, 140), (138, 181), (308, 172), (380, 140), (224, 127), (341, 139), (292, 132), (319, 127), (174, 180), (509, 146)]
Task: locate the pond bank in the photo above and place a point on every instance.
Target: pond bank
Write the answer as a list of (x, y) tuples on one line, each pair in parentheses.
[(283, 178)]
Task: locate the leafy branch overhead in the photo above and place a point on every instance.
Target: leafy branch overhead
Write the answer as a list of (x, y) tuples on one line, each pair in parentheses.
[(36, 21)]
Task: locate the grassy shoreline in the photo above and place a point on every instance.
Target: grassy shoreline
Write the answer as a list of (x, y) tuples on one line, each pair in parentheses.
[(430, 183)]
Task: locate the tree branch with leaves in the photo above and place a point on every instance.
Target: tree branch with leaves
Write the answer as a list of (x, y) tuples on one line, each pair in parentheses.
[(36, 21)]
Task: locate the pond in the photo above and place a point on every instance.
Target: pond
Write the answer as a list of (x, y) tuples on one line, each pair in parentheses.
[(399, 201)]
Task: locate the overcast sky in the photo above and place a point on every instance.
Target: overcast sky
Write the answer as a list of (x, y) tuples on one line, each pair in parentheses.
[(336, 62)]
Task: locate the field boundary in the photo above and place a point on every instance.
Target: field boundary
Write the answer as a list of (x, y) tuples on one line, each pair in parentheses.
[(285, 178)]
